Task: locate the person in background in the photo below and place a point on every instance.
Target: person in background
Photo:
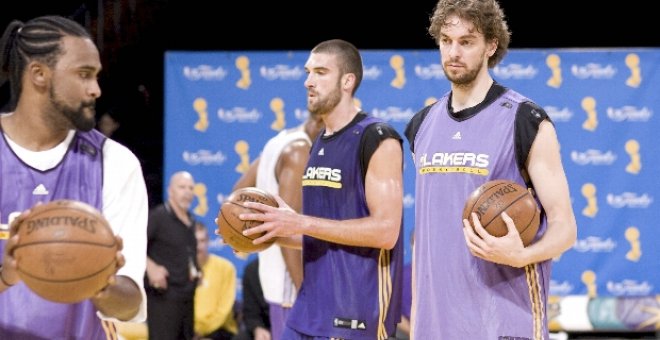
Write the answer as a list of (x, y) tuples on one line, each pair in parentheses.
[(280, 169), (476, 132), (350, 234), (108, 123), (255, 320), (172, 269), (215, 294), (49, 150)]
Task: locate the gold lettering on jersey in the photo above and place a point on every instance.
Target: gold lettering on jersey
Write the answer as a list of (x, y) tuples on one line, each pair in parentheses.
[(457, 162), (322, 177)]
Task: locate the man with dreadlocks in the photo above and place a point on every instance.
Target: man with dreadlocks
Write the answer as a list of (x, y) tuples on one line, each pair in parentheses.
[(49, 151)]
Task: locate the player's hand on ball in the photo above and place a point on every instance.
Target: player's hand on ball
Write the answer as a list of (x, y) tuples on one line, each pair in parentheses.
[(121, 261), (9, 273), (507, 249), (112, 279), (232, 228), (9, 269), (71, 253), (281, 221)]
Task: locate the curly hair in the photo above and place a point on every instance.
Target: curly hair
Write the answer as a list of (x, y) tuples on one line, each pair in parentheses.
[(487, 17)]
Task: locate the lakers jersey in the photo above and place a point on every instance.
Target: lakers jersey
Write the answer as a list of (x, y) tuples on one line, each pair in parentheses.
[(455, 294), (348, 292), (77, 176)]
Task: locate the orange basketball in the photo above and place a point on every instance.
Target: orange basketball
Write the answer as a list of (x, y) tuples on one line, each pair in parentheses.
[(231, 228), (492, 198), (66, 251)]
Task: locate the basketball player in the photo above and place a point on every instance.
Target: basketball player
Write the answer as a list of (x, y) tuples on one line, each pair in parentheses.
[(279, 169), (352, 205), (49, 151), (479, 131)]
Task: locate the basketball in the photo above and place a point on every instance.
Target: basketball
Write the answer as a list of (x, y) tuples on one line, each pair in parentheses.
[(66, 251), (492, 198), (231, 228)]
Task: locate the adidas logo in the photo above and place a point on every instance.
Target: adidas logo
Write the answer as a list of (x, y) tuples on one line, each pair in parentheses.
[(321, 152), (456, 136), (40, 190)]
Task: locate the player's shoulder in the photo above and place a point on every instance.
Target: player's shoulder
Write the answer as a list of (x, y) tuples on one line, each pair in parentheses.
[(119, 161), (415, 122), (118, 151), (527, 110), (382, 130), (296, 146), (531, 112)]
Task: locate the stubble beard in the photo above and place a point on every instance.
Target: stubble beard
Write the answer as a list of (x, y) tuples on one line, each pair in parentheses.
[(464, 78), (324, 105)]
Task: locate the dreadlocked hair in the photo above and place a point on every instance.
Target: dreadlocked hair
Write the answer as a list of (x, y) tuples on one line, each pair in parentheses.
[(38, 39)]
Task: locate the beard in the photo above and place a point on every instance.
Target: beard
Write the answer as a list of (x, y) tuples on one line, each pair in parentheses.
[(464, 78), (75, 115), (325, 104)]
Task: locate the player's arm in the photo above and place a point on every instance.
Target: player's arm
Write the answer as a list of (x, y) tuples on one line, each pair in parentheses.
[(249, 178), (120, 299), (547, 173), (384, 195), (125, 206), (289, 172)]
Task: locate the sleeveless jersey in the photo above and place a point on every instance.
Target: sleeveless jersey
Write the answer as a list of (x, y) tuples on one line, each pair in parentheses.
[(275, 279), (455, 294), (78, 176), (348, 292)]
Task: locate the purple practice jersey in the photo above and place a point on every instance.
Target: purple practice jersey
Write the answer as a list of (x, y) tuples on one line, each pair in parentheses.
[(78, 176), (455, 294), (348, 292)]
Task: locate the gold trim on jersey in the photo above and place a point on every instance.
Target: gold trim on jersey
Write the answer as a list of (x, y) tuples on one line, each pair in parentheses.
[(384, 291), (534, 289)]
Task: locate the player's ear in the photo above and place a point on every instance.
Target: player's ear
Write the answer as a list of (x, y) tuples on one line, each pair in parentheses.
[(38, 73), (492, 47), (348, 81)]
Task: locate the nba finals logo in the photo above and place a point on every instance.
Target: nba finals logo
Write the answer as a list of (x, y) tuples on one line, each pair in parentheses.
[(632, 62), (589, 106), (277, 106), (589, 193), (200, 106), (202, 202), (243, 66), (635, 252), (242, 147), (553, 61), (632, 149), (589, 280), (396, 62), (430, 100)]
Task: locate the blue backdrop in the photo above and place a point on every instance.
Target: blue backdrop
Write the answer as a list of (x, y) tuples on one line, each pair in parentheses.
[(221, 108)]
